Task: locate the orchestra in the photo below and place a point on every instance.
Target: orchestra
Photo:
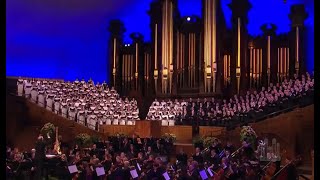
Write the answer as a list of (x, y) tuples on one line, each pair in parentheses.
[(217, 162)]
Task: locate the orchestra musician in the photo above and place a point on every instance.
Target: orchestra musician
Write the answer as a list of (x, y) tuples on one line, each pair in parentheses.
[(192, 171), (182, 158), (62, 168), (213, 160), (198, 156)]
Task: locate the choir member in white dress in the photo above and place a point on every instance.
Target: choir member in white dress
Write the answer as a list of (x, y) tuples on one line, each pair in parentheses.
[(72, 113), (41, 96), (49, 102), (81, 117), (57, 104), (20, 86), (34, 94), (27, 89), (64, 109)]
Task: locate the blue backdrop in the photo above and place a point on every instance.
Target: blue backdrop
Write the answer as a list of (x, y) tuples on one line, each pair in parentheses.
[(68, 39)]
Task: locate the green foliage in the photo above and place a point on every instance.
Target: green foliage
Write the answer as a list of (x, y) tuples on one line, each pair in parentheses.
[(208, 141), (197, 140), (94, 139), (48, 130), (248, 134), (169, 137), (83, 139), (121, 135)]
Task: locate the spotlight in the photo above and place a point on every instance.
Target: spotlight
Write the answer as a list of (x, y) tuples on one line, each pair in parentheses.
[(128, 44), (125, 45), (188, 18)]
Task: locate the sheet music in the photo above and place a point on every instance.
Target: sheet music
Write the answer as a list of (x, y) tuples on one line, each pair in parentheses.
[(100, 171), (134, 173), (203, 174), (210, 172), (166, 176), (72, 169)]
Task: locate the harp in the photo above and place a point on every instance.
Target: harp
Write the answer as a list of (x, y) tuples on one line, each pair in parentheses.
[(57, 143)]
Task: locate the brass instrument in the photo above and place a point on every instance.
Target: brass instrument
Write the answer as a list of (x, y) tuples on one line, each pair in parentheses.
[(205, 150), (237, 151), (57, 143)]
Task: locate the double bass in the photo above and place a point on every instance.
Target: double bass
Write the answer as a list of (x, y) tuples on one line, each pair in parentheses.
[(270, 170), (284, 173)]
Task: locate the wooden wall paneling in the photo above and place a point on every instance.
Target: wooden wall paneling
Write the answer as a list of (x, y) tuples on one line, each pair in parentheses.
[(211, 131)]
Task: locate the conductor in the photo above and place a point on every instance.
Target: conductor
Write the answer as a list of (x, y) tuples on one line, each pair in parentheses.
[(40, 156)]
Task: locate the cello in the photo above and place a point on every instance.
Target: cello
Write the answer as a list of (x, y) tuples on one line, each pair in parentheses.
[(270, 170), (284, 173)]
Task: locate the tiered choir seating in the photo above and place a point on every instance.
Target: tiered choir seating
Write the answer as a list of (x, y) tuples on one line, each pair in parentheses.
[(237, 110), (87, 103)]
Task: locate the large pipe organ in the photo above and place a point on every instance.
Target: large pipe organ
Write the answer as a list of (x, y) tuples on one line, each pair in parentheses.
[(193, 55)]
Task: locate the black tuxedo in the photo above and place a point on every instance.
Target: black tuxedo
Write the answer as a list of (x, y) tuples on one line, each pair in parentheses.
[(125, 147), (157, 148), (215, 160), (40, 156), (94, 152), (182, 158), (198, 158)]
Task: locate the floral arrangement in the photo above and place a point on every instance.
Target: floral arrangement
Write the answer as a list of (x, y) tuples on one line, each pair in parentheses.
[(94, 139), (83, 139), (248, 134), (208, 141), (197, 141), (169, 137), (204, 141), (48, 130), (120, 135)]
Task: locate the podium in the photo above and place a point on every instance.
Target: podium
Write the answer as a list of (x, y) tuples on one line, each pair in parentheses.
[(146, 128)]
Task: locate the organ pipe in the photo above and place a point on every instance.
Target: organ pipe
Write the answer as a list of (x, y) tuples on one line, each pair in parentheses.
[(288, 60), (156, 47), (238, 70), (251, 62), (137, 61), (114, 52), (254, 64), (260, 71), (297, 50), (278, 72), (209, 41), (268, 59), (281, 63), (285, 62)]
